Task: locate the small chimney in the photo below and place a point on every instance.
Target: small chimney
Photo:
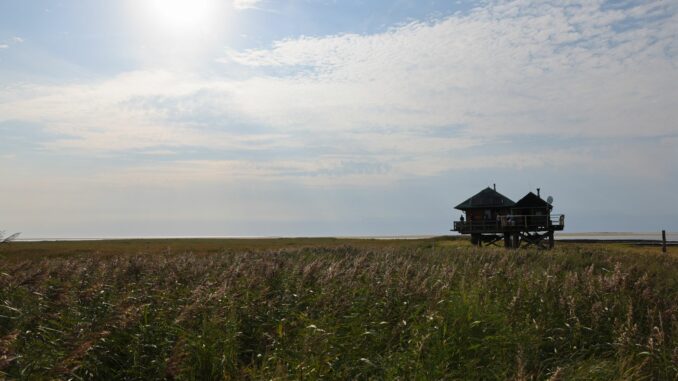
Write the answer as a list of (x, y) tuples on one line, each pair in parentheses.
[(494, 186), (538, 191)]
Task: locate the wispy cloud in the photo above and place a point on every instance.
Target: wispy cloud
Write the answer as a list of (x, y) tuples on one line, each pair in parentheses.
[(246, 4), (12, 41), (416, 100), (545, 69)]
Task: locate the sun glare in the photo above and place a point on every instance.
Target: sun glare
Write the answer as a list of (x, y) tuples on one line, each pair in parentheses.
[(182, 14), (178, 32)]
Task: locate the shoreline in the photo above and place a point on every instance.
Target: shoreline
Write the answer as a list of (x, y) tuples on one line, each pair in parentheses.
[(638, 238)]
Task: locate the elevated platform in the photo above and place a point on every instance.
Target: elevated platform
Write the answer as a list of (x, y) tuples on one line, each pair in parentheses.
[(515, 231), (510, 224)]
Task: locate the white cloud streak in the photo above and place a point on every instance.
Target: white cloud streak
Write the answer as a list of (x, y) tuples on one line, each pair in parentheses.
[(13, 41), (246, 4)]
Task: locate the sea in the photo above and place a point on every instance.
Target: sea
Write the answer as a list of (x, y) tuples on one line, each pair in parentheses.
[(560, 236)]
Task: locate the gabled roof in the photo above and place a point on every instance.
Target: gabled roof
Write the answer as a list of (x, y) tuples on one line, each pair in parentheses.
[(531, 200), (486, 198)]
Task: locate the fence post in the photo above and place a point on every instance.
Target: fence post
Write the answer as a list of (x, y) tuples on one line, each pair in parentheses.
[(663, 241)]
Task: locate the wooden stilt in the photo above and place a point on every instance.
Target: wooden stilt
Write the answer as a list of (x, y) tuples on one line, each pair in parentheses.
[(516, 241), (551, 239), (663, 241), (492, 240)]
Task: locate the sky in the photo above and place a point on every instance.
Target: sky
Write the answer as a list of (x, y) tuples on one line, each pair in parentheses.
[(323, 117)]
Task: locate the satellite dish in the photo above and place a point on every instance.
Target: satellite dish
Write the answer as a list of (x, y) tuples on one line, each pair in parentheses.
[(549, 199)]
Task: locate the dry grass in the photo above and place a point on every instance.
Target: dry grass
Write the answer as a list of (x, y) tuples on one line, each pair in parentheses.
[(339, 309)]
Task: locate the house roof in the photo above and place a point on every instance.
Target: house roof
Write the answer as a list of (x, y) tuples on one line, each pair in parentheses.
[(531, 200), (486, 198)]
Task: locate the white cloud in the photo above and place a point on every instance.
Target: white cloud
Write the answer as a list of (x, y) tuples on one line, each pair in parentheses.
[(418, 99), (512, 67), (12, 41), (333, 170), (246, 4)]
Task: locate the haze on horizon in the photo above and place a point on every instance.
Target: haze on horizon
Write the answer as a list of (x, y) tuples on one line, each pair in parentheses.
[(316, 117)]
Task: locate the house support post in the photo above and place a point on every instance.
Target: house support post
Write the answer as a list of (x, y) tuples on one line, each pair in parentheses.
[(507, 240), (551, 239)]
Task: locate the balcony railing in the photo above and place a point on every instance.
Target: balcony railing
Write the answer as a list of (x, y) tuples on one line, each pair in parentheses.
[(512, 222)]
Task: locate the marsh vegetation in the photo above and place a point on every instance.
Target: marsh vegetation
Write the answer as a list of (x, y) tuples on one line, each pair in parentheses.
[(335, 309)]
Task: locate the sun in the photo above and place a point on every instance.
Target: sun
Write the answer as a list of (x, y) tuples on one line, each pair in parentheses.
[(177, 33), (181, 14)]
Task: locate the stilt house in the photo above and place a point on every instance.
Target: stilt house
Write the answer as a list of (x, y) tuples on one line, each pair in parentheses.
[(492, 217), (483, 208)]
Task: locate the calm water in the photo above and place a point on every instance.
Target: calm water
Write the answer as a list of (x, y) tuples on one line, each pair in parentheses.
[(653, 236), (636, 236)]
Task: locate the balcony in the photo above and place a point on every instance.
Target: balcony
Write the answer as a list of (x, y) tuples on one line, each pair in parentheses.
[(511, 223)]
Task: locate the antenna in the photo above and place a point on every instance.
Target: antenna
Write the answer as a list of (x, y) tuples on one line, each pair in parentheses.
[(549, 199)]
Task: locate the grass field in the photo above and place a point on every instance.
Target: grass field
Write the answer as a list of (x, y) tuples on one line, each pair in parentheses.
[(336, 309)]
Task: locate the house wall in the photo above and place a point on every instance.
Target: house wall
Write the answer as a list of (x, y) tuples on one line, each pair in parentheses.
[(488, 214)]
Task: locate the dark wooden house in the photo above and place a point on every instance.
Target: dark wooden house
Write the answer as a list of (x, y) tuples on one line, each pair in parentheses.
[(531, 210), (483, 212), (491, 217)]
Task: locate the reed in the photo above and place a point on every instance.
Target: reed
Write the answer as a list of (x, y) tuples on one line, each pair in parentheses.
[(332, 309)]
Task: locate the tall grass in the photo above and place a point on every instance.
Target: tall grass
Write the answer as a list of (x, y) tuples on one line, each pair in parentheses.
[(342, 312)]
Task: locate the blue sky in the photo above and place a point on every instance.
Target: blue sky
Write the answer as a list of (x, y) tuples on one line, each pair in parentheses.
[(320, 117)]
